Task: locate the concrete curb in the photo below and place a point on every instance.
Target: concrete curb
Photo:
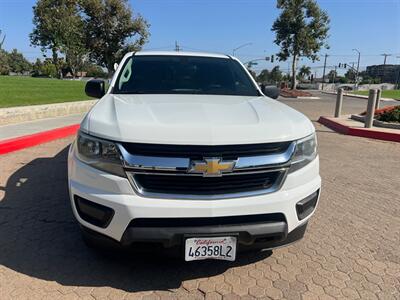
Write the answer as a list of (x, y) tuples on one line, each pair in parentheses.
[(361, 132), (26, 141), (18, 114), (309, 98)]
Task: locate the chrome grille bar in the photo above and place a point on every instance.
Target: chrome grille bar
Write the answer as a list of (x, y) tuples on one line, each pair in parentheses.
[(158, 163), (175, 167)]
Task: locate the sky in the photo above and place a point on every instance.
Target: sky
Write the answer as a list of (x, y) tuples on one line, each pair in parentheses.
[(371, 26)]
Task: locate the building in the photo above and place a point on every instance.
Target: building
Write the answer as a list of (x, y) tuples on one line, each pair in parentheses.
[(387, 73)]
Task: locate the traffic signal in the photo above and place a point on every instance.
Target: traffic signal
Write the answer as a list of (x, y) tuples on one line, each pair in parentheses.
[(345, 66), (272, 58), (340, 65)]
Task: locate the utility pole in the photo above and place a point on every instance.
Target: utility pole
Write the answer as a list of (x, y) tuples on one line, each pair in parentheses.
[(358, 66), (177, 48), (385, 55), (334, 75), (323, 74)]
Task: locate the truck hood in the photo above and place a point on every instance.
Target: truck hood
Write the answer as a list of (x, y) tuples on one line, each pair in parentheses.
[(195, 119)]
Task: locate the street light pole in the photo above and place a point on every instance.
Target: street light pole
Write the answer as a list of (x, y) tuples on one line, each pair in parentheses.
[(398, 76), (385, 55), (241, 46), (358, 66)]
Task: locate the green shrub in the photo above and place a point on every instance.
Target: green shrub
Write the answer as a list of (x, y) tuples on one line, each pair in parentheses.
[(49, 70), (95, 71), (390, 116)]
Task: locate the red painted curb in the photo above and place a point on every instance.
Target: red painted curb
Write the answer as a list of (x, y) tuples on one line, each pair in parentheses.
[(31, 140), (334, 125), (361, 132)]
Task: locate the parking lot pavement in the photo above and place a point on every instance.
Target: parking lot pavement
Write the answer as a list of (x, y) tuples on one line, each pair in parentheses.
[(351, 249), (325, 106)]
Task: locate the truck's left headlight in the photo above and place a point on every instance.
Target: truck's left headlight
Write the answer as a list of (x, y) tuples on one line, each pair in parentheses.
[(98, 153), (306, 151)]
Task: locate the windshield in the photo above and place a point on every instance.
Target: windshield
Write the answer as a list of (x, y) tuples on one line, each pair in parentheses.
[(183, 75)]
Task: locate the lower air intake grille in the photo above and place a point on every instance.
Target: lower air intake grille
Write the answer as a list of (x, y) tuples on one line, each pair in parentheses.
[(198, 185)]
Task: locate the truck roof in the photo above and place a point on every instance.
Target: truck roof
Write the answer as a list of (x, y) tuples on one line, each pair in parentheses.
[(180, 53)]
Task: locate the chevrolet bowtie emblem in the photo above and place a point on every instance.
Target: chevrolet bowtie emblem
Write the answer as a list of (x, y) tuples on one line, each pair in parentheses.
[(212, 166)]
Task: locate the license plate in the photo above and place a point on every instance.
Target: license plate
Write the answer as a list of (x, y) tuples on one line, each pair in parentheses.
[(223, 248)]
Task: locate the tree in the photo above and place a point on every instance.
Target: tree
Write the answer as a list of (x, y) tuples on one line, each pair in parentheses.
[(332, 75), (94, 71), (350, 75), (37, 68), (276, 74), (264, 76), (4, 63), (48, 69), (18, 63), (300, 30), (366, 79), (112, 30), (304, 72), (58, 27), (273, 76)]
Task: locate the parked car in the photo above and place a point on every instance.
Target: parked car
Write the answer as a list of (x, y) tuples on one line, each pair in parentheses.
[(185, 150)]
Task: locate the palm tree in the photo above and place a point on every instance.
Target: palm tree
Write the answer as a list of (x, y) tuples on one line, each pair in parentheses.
[(304, 71)]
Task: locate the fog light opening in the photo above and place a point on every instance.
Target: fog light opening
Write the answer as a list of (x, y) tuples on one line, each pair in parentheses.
[(93, 213), (306, 206)]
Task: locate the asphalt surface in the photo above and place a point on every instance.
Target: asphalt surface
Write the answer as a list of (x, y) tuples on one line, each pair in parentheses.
[(351, 249)]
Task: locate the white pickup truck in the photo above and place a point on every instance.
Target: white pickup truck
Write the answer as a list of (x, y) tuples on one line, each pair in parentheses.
[(185, 150)]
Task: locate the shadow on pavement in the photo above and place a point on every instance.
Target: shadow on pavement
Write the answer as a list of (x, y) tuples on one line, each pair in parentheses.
[(39, 238)]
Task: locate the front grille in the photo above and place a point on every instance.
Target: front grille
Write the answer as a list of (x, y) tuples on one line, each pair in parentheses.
[(165, 171), (198, 185), (200, 151)]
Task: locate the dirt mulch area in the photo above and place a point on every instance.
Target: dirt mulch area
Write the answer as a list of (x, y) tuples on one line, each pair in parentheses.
[(287, 93)]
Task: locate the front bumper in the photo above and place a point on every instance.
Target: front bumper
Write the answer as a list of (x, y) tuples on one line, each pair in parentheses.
[(117, 193), (175, 241)]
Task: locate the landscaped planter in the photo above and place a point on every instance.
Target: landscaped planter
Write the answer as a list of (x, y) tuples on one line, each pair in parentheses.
[(287, 93), (376, 123)]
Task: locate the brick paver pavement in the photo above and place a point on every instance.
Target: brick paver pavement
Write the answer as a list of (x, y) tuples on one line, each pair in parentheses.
[(351, 249)]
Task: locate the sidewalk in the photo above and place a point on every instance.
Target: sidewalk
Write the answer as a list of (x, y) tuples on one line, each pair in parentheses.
[(28, 134), (32, 127)]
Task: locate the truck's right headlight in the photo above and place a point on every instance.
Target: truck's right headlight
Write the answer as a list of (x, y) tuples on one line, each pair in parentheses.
[(98, 153), (306, 151)]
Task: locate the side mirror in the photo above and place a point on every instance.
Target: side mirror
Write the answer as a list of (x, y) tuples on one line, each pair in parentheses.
[(270, 91), (95, 88)]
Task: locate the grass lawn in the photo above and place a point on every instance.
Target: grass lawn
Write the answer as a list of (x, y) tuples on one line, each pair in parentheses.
[(23, 90), (394, 94)]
